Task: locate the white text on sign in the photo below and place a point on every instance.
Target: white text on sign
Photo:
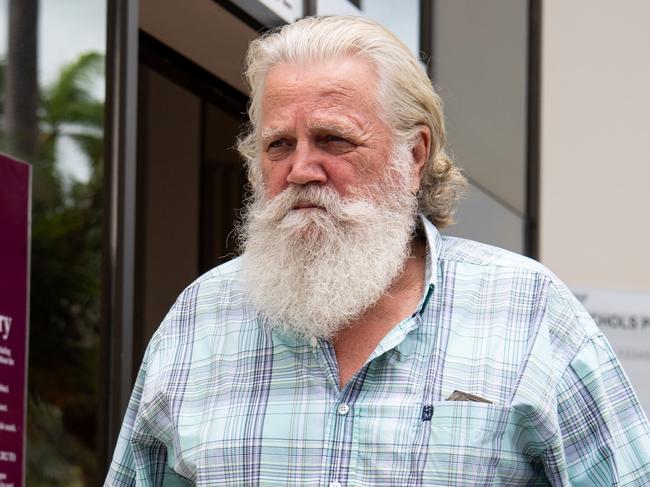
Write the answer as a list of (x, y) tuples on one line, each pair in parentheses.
[(5, 326)]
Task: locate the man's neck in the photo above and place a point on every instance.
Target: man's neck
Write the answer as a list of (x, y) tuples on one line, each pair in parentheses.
[(356, 342)]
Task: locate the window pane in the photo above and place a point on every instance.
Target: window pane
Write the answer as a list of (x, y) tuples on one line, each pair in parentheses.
[(51, 109)]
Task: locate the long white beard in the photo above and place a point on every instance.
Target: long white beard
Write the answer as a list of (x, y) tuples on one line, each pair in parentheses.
[(313, 271)]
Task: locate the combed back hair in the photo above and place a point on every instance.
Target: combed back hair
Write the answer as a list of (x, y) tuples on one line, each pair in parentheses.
[(405, 94)]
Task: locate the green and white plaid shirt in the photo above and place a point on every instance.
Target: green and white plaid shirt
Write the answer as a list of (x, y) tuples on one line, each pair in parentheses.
[(221, 400)]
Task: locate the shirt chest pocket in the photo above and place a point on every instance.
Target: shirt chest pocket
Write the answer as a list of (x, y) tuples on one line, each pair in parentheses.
[(451, 443), (473, 444), (463, 423)]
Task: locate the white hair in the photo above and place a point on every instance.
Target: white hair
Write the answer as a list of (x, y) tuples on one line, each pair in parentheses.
[(405, 94)]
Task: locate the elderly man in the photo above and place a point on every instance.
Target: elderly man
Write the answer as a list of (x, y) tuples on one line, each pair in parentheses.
[(351, 344)]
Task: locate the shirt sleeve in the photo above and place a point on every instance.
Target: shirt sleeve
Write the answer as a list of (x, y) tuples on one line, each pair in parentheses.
[(605, 433), (146, 464)]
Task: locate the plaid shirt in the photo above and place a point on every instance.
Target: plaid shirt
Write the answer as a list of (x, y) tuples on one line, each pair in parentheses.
[(221, 400)]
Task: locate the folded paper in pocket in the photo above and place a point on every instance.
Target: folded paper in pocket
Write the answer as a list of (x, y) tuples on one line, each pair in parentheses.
[(466, 396)]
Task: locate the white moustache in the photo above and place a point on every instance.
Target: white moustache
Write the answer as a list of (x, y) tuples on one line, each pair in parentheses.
[(299, 202)]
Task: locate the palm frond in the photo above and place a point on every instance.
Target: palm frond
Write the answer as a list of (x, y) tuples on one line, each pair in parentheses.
[(70, 99)]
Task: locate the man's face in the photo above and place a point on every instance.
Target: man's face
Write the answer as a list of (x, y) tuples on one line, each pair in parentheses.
[(331, 227), (321, 126)]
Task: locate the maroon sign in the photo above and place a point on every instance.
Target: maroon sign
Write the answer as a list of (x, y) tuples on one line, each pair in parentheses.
[(14, 263)]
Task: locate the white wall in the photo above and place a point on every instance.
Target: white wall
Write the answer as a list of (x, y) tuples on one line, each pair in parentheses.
[(595, 143)]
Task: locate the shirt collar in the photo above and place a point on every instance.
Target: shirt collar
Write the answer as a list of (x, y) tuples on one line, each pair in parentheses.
[(433, 252), (397, 337)]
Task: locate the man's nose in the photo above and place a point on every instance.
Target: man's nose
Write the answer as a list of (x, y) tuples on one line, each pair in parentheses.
[(306, 166)]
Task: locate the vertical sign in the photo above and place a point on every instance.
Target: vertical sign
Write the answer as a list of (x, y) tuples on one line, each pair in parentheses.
[(14, 282)]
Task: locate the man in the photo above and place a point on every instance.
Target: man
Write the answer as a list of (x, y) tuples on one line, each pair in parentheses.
[(351, 344)]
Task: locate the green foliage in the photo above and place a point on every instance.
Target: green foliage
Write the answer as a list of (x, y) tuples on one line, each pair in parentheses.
[(65, 283), (69, 99)]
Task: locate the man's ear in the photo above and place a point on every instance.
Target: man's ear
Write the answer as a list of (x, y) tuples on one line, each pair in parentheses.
[(420, 152)]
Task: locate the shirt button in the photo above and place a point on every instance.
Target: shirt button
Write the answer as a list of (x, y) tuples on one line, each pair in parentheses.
[(313, 341), (336, 483), (343, 409)]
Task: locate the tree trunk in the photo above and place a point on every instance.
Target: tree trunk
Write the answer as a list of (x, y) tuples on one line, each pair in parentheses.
[(21, 80)]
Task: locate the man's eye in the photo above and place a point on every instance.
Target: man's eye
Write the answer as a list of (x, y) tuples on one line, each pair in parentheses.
[(278, 144), (279, 147), (334, 139), (337, 144)]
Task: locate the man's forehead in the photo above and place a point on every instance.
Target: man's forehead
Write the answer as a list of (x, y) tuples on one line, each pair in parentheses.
[(329, 98), (328, 92), (325, 85), (336, 77)]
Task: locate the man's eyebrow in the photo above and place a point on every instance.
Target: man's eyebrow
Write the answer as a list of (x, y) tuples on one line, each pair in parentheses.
[(343, 130), (336, 128), (272, 132)]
